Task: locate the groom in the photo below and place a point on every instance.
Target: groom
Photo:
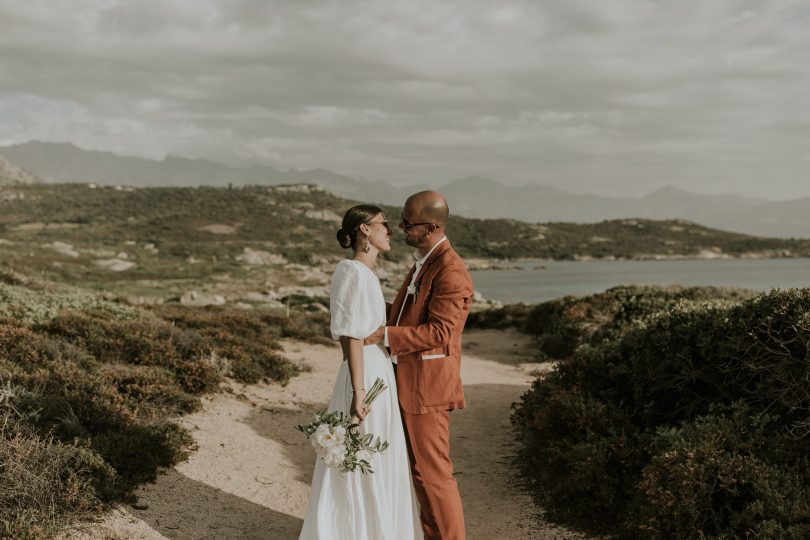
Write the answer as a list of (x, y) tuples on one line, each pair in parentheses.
[(423, 334)]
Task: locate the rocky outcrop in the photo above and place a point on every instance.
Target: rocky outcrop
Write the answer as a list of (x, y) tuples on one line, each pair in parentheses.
[(196, 298), (12, 175)]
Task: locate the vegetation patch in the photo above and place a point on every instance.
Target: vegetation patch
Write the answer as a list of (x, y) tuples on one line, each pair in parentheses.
[(89, 389), (43, 481), (692, 423), (564, 324), (159, 241)]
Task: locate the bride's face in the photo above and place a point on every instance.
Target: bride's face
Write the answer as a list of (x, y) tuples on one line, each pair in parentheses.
[(379, 233)]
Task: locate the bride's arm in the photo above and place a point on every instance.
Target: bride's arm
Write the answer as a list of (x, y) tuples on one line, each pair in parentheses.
[(353, 352)]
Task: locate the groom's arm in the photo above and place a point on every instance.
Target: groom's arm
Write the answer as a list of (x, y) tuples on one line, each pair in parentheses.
[(379, 334), (376, 337), (451, 290)]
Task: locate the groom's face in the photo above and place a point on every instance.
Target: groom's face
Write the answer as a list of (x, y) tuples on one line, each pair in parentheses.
[(417, 230)]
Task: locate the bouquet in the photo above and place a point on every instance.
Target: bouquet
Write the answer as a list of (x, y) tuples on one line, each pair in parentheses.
[(336, 439)]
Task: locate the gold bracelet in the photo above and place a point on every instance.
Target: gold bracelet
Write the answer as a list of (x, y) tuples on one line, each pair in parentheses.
[(355, 390)]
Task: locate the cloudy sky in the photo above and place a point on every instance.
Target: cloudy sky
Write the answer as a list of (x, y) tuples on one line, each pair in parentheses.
[(612, 97)]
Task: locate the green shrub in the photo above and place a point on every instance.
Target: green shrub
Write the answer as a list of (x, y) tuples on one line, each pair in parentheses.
[(721, 476), (694, 421), (245, 341), (150, 391), (116, 411), (564, 324), (145, 341), (577, 451), (509, 316), (37, 303), (309, 327)]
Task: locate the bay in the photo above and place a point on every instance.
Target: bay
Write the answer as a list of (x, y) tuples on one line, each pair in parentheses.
[(539, 280)]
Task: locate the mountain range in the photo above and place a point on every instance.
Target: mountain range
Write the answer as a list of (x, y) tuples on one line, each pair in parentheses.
[(470, 196)]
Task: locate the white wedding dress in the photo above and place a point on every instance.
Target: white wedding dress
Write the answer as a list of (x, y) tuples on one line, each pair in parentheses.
[(353, 506)]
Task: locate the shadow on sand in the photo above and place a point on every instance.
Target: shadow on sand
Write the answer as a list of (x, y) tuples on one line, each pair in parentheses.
[(179, 507), (277, 423)]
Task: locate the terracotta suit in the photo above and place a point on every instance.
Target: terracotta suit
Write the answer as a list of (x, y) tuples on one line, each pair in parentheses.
[(424, 333)]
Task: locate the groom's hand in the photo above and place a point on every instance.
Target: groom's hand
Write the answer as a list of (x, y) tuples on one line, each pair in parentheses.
[(376, 337)]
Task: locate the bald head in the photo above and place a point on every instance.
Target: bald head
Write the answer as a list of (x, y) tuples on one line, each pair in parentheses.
[(429, 206)]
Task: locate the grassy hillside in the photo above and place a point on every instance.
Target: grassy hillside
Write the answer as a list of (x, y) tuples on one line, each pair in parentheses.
[(165, 241)]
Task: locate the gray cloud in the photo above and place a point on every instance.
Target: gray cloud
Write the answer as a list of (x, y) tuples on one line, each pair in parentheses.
[(609, 97)]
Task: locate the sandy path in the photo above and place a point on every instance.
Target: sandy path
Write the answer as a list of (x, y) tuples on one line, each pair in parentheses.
[(250, 477)]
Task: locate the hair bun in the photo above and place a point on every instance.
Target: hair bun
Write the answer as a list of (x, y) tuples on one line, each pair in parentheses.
[(344, 238)]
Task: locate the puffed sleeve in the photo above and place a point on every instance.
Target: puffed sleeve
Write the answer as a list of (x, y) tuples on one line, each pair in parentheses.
[(348, 303)]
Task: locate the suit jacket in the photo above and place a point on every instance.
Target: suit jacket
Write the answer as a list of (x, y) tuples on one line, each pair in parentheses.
[(427, 341)]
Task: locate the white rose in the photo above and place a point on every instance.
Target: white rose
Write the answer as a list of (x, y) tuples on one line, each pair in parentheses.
[(334, 456), (323, 435), (316, 445), (339, 434)]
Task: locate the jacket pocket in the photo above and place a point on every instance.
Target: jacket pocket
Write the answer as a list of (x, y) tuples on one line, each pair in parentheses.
[(434, 354), (438, 383)]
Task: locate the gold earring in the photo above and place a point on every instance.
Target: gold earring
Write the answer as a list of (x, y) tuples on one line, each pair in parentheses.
[(367, 247)]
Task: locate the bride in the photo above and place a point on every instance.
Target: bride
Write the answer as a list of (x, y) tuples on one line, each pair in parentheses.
[(351, 505)]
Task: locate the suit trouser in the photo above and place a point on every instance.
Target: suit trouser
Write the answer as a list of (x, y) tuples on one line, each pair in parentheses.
[(428, 438)]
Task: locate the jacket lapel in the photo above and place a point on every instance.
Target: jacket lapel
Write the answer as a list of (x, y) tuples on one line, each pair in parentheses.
[(402, 296), (440, 249)]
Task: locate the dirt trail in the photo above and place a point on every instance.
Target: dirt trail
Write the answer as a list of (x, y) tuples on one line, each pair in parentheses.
[(250, 477)]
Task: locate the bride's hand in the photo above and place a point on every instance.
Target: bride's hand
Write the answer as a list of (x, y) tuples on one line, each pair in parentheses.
[(359, 409)]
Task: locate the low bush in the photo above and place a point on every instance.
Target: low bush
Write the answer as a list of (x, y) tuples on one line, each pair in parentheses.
[(147, 341), (506, 317), (722, 476), (44, 483), (691, 423), (244, 340), (564, 324), (110, 410), (31, 302)]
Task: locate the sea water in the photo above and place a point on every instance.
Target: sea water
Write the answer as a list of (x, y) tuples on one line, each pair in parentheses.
[(539, 280)]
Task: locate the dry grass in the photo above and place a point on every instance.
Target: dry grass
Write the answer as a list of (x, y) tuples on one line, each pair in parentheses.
[(44, 483)]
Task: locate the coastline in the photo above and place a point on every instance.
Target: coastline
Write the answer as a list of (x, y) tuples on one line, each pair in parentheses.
[(482, 264)]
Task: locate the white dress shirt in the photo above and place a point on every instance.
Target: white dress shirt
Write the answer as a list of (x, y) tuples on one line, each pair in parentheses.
[(420, 261)]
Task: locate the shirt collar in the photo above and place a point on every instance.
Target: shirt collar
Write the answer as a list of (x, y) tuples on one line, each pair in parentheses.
[(421, 261)]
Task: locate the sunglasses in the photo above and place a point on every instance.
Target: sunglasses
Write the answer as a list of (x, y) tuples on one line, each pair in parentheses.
[(408, 225), (384, 223)]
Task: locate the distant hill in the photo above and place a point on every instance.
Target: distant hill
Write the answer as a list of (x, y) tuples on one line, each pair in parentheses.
[(258, 244), (472, 196), (11, 174), (298, 222), (65, 162)]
